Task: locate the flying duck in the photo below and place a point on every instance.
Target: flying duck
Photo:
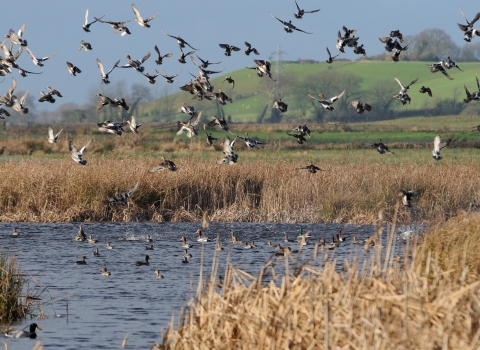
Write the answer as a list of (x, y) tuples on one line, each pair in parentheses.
[(38, 61), (73, 69), (160, 58), (300, 137), (121, 197), (190, 126), (288, 26), (311, 168), (84, 45), (424, 89), (407, 196), (164, 164), (77, 156), (221, 123), (330, 57), (102, 71), (229, 48), (136, 64), (132, 123), (468, 29), (250, 49), (180, 41), (438, 146), (299, 14), (229, 156), (251, 143), (280, 105), (360, 107), (86, 25), (138, 18), (381, 147), (327, 103)]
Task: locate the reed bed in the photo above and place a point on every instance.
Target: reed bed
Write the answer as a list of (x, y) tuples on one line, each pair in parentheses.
[(387, 303), (11, 286), (254, 191)]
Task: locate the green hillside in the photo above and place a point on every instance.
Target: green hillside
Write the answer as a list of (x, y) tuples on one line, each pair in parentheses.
[(375, 81)]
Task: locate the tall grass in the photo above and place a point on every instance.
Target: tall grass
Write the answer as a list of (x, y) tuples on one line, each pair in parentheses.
[(415, 303), (11, 285), (254, 191)]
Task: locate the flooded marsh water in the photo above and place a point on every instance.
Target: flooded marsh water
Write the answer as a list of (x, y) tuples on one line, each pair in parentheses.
[(103, 309)]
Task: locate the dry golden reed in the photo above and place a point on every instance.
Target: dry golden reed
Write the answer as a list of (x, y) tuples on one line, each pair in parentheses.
[(386, 303), (254, 191)]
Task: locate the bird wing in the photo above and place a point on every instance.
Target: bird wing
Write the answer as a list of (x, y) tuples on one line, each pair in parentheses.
[(334, 98), (24, 97), (224, 46), (313, 98), (278, 19), (478, 84), (100, 66), (195, 119), (313, 11), (477, 16), (12, 88), (58, 133), (354, 104), (157, 50), (193, 60), (114, 66), (146, 57), (399, 83), (29, 52), (436, 143), (329, 54), (137, 13), (84, 148), (300, 30), (235, 48), (130, 191), (248, 44), (50, 133), (22, 30), (133, 122), (385, 39), (153, 17), (298, 7), (168, 34), (86, 17), (413, 82)]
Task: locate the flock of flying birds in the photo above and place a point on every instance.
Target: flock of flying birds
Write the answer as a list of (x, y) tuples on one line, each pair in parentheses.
[(201, 89)]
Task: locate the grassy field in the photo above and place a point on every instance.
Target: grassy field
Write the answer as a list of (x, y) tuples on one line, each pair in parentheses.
[(429, 301), (250, 92)]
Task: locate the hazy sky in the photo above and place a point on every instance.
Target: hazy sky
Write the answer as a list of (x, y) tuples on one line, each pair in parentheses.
[(56, 26)]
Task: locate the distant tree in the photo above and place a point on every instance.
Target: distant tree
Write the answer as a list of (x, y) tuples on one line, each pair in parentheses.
[(432, 44)]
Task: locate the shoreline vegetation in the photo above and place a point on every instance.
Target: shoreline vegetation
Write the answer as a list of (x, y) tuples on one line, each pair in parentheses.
[(11, 283), (430, 300), (352, 189)]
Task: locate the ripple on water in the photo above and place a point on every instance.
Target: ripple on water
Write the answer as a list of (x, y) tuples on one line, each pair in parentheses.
[(103, 309)]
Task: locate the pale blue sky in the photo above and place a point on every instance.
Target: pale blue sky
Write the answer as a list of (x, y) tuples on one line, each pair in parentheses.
[(56, 26)]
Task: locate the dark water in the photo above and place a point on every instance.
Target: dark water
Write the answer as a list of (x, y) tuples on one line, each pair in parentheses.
[(101, 309)]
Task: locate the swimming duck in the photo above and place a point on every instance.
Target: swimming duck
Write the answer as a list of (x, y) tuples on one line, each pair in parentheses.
[(218, 246), (73, 69), (121, 197), (334, 243), (108, 246), (18, 103), (437, 67), (311, 168), (190, 126), (250, 49), (15, 232), (360, 107), (81, 236), (288, 26), (407, 196), (280, 105), (102, 71), (186, 254), (221, 123), (82, 262), (16, 38), (184, 243), (247, 246), (468, 29), (138, 18), (23, 333), (251, 143), (356, 241), (92, 240), (424, 89), (136, 64), (160, 58), (84, 45), (326, 247), (149, 248), (140, 263), (77, 156), (105, 272), (340, 237), (38, 60), (158, 276), (182, 57), (285, 239), (234, 239), (300, 138), (96, 253), (438, 146), (164, 164), (301, 12), (53, 138), (180, 41), (202, 238), (86, 25), (283, 252), (381, 147), (327, 103), (229, 48), (330, 57)]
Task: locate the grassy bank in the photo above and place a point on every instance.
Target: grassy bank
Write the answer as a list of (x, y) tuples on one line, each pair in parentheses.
[(263, 187), (430, 301)]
